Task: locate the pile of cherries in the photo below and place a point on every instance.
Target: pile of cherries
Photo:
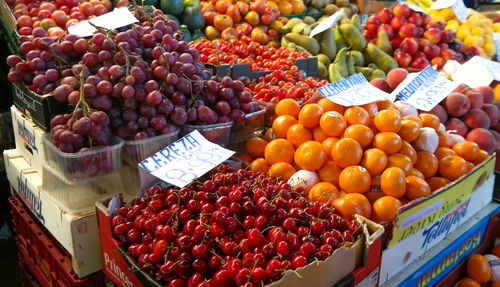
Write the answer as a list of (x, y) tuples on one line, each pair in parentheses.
[(235, 229)]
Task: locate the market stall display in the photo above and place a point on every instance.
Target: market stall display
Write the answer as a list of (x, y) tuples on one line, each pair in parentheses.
[(358, 142)]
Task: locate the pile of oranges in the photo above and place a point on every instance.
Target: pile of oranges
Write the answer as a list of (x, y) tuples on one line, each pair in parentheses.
[(367, 160), (482, 269)]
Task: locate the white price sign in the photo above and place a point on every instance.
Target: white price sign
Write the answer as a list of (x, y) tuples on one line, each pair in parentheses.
[(427, 89), (117, 18), (185, 160), (492, 67), (352, 91), (327, 23), (457, 6), (496, 36)]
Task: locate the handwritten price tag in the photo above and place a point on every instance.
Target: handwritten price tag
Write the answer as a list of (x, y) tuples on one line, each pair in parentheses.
[(327, 23), (352, 91), (185, 160), (427, 89), (117, 18), (457, 6)]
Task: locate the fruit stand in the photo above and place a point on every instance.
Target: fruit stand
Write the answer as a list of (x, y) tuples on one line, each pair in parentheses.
[(208, 143)]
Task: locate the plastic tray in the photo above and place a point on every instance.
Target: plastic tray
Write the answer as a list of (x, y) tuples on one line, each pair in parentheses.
[(41, 254), (270, 114), (252, 126), (78, 196), (216, 133), (136, 151), (82, 167)]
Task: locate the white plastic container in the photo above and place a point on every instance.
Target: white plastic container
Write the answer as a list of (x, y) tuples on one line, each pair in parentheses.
[(216, 133), (85, 166), (136, 151)]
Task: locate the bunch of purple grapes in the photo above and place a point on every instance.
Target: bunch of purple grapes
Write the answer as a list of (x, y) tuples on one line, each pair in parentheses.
[(146, 79)]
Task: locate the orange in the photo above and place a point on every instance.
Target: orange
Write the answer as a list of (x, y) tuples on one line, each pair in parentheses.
[(355, 178), (297, 6), (384, 209), (346, 152), (332, 123), (415, 172), (298, 134), (255, 146), (415, 119), (427, 163), (416, 187), (482, 156), (400, 160), (323, 192), (281, 170), (328, 105), (387, 121), (389, 142), (436, 182), (346, 207), (467, 150), (444, 139), (409, 130), (245, 157), (371, 108), (330, 172), (310, 156), (357, 116), (496, 251), (287, 107), (452, 167), (281, 125), (495, 284), (478, 268), (372, 196), (443, 152), (327, 144), (374, 160), (384, 104), (393, 182), (362, 134), (279, 150), (407, 149), (469, 165), (285, 7), (259, 165), (310, 115), (468, 282), (318, 134), (363, 202), (269, 135), (430, 120)]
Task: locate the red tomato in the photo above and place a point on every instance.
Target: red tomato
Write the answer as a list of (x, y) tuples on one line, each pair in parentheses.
[(59, 17), (44, 14)]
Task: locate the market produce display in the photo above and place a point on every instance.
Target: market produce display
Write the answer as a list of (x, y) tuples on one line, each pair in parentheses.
[(311, 180), (225, 231)]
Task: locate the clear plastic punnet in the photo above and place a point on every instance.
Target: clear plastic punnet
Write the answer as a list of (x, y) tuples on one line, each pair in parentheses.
[(136, 151), (216, 133), (84, 166)]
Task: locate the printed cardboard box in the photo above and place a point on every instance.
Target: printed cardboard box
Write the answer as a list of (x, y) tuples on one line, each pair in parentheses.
[(77, 232)]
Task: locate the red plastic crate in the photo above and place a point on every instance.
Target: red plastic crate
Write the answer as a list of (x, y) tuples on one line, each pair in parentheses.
[(44, 257), (29, 280)]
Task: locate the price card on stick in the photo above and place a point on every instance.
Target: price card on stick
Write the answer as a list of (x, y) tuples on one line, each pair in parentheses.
[(184, 161), (496, 37), (477, 72), (352, 91), (457, 6), (327, 23), (426, 90)]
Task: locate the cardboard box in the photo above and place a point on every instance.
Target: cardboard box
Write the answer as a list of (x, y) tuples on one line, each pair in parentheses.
[(39, 108), (28, 138), (77, 232), (117, 265), (443, 259), (425, 222)]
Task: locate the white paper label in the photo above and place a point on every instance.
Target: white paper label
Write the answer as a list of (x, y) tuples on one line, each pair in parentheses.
[(352, 91), (496, 36), (413, 7), (473, 73), (327, 23), (492, 67), (185, 160), (457, 6), (427, 89), (117, 18)]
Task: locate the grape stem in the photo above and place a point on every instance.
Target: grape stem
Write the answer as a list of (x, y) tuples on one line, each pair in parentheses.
[(58, 59)]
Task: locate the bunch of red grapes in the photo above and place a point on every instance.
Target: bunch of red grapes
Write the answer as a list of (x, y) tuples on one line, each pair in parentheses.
[(235, 229), (145, 77)]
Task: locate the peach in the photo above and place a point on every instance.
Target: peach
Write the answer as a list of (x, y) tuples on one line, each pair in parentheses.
[(454, 124), (493, 113), (476, 118), (457, 104), (497, 138), (460, 88), (488, 94), (440, 112), (496, 128), (483, 138), (381, 84), (475, 97), (396, 76)]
